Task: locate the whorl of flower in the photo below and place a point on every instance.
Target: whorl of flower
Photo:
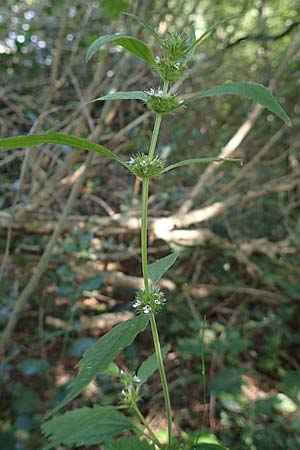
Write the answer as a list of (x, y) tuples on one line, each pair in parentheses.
[(162, 103), (153, 302), (130, 393), (143, 167), (170, 71), (175, 47)]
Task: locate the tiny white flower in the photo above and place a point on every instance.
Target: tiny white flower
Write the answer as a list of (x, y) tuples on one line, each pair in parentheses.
[(122, 372), (136, 379), (143, 163), (147, 309), (131, 161), (136, 304), (177, 65), (157, 59), (157, 302)]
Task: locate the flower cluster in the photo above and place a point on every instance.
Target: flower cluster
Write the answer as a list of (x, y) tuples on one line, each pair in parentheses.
[(130, 393), (144, 167), (162, 103), (171, 67), (153, 302)]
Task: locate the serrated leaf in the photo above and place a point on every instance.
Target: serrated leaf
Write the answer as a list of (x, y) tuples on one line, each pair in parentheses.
[(159, 267), (133, 95), (56, 138), (132, 443), (97, 358), (187, 162), (148, 28), (85, 426), (149, 366), (256, 92), (133, 45)]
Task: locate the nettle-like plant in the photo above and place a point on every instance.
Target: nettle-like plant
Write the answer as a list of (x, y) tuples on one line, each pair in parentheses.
[(100, 424)]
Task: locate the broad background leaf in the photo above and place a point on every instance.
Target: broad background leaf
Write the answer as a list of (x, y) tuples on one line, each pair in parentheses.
[(187, 162), (159, 267), (56, 138), (85, 426), (100, 355), (132, 95), (256, 92), (149, 366), (133, 45)]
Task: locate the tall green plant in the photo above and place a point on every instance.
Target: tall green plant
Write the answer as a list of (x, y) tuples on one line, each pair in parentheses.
[(88, 426)]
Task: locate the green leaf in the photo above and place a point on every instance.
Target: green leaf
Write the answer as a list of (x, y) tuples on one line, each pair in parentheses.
[(85, 426), (113, 370), (207, 441), (113, 8), (133, 45), (159, 267), (254, 91), (56, 138), (132, 443), (148, 28), (210, 30), (97, 358), (186, 162), (208, 447), (228, 381), (132, 95), (149, 366), (190, 41)]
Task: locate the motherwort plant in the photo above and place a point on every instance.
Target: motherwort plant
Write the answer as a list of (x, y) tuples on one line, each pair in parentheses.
[(100, 424)]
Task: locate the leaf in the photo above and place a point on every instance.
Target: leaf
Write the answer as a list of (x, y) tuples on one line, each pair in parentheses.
[(211, 29), (113, 370), (133, 45), (190, 41), (56, 138), (186, 162), (149, 366), (254, 91), (97, 358), (113, 8), (133, 95), (228, 381), (79, 345), (148, 28), (208, 447), (85, 426), (159, 267), (132, 443), (207, 441)]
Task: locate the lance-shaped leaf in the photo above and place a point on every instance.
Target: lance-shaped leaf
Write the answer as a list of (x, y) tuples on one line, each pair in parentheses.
[(210, 30), (149, 366), (85, 426), (56, 138), (133, 45), (148, 28), (190, 42), (132, 443), (187, 162), (159, 267), (97, 358), (131, 95), (256, 92)]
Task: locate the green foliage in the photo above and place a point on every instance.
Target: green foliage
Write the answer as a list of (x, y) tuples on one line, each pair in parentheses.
[(149, 366), (188, 162), (254, 91), (132, 95), (85, 426), (113, 8), (99, 356), (158, 268)]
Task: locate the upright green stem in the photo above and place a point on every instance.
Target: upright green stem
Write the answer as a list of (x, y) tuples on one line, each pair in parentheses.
[(162, 373), (144, 252)]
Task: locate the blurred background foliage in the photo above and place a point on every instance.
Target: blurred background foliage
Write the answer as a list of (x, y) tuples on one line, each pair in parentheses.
[(240, 251)]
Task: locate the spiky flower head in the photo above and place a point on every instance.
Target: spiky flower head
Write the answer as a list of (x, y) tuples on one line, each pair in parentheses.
[(162, 103), (130, 393), (144, 167), (145, 303)]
